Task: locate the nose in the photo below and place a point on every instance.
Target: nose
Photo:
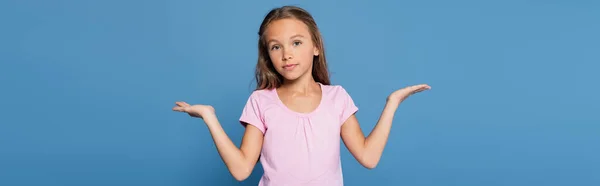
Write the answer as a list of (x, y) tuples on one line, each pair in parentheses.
[(287, 55)]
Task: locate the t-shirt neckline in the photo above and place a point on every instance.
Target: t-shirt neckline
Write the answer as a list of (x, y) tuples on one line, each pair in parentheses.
[(304, 114)]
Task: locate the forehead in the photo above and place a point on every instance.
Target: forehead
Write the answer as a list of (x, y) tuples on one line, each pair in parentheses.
[(285, 28)]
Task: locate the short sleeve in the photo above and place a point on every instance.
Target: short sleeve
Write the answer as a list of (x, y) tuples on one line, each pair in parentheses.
[(348, 108), (251, 114)]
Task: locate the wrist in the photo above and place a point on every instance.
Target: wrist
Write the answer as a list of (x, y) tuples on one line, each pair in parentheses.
[(394, 101), (210, 118)]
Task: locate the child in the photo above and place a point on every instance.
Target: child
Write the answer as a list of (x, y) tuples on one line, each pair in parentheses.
[(294, 119)]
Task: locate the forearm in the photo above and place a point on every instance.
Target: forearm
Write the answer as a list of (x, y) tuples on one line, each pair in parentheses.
[(232, 156), (377, 139)]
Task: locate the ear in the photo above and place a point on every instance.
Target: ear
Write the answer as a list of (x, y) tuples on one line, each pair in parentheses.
[(315, 51)]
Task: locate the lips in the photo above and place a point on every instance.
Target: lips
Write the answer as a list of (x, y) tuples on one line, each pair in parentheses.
[(289, 66)]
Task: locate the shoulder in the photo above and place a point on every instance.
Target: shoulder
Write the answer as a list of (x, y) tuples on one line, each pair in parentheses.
[(340, 100), (335, 90), (337, 95), (264, 96)]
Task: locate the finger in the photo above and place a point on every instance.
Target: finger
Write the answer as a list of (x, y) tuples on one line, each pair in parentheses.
[(415, 88), (181, 104), (179, 109), (184, 104), (421, 87), (424, 87)]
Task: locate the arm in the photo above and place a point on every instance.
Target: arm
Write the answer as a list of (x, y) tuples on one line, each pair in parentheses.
[(367, 151), (239, 161)]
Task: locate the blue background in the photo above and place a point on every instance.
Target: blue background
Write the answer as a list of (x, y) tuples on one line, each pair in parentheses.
[(88, 87)]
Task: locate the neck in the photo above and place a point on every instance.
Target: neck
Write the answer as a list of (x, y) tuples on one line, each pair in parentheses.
[(301, 85)]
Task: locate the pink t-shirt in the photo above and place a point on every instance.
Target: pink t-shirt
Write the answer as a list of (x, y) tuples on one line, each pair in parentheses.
[(300, 148)]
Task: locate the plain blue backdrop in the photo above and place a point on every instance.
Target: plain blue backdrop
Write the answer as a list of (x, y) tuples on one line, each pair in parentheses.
[(87, 89)]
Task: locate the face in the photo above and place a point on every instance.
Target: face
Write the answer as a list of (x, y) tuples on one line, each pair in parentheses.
[(290, 48)]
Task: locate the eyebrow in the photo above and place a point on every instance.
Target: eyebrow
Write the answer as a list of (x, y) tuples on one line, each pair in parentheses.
[(294, 36), (297, 35)]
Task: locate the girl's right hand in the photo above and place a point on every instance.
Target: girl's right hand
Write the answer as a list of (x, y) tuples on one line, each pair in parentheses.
[(199, 111)]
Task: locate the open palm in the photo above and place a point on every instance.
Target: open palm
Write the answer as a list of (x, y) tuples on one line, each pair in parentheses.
[(405, 92), (199, 111)]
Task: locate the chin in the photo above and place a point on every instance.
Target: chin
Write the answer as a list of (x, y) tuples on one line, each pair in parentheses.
[(291, 77)]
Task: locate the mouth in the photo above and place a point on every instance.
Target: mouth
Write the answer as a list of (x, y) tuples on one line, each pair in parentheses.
[(289, 66)]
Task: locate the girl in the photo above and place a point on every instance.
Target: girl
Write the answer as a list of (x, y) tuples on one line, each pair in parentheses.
[(295, 117)]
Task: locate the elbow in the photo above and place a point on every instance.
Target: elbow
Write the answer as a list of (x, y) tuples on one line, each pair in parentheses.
[(241, 175), (370, 162), (370, 165), (240, 178)]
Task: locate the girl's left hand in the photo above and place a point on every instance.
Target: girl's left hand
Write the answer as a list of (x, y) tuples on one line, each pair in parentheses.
[(400, 95)]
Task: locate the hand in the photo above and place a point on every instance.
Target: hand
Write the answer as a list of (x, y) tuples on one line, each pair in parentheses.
[(402, 94), (199, 111)]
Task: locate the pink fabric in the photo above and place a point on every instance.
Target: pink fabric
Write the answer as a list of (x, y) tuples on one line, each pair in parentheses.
[(300, 148)]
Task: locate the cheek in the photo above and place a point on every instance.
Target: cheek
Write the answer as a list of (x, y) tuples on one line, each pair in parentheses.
[(307, 56), (275, 57)]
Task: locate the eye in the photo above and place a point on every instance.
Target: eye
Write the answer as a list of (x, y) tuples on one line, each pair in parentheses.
[(296, 43), (274, 47)]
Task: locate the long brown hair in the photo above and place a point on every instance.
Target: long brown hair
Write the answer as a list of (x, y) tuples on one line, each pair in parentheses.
[(266, 76)]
